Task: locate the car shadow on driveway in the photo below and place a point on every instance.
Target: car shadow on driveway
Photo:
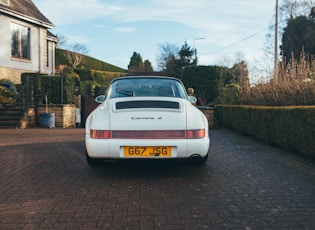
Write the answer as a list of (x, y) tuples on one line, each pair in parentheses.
[(149, 168)]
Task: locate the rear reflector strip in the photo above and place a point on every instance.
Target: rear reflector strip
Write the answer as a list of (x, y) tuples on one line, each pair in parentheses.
[(145, 134), (154, 134)]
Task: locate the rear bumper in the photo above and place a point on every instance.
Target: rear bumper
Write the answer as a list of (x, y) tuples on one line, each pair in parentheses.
[(114, 148)]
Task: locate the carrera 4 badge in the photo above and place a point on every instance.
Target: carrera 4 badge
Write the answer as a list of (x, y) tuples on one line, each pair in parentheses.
[(146, 118)]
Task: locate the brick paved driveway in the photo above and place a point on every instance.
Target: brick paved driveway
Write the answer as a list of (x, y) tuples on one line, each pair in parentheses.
[(45, 183)]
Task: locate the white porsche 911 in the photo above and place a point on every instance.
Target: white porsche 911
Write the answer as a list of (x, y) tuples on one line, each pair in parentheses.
[(149, 117)]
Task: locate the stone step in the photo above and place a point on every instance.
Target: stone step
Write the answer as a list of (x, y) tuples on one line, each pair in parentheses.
[(10, 116), (9, 112), (9, 124)]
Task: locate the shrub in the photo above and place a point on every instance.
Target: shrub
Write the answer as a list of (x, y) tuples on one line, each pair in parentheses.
[(51, 85), (94, 83), (293, 85), (8, 92), (205, 80), (230, 94)]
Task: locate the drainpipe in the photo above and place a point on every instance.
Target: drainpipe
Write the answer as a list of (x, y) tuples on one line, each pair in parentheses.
[(39, 53), (53, 58)]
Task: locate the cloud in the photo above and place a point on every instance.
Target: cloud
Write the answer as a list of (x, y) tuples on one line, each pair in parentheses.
[(125, 29), (78, 39), (221, 23), (201, 15), (70, 12), (99, 26)]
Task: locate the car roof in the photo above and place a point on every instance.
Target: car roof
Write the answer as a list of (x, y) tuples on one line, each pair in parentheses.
[(147, 76)]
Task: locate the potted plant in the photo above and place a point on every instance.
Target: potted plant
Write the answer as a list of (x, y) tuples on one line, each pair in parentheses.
[(47, 120)]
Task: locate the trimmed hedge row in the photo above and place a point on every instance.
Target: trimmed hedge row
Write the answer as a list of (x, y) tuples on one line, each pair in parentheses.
[(93, 82), (51, 85), (292, 128)]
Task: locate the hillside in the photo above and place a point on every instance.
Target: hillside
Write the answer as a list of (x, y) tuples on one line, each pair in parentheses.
[(90, 63)]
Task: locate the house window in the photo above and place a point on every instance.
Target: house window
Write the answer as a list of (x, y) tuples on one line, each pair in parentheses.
[(20, 41), (5, 2)]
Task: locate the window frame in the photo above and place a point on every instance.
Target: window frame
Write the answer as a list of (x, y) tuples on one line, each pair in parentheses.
[(20, 41), (127, 87)]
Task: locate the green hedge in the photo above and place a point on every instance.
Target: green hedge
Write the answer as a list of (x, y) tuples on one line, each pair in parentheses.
[(51, 85), (205, 80), (292, 128), (93, 82)]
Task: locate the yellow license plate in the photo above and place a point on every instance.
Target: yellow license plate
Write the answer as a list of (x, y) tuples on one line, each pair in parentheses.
[(141, 151)]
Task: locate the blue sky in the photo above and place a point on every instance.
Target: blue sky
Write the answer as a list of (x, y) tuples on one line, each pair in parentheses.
[(113, 29)]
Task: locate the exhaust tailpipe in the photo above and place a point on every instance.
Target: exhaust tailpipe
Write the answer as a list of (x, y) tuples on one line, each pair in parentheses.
[(195, 157)]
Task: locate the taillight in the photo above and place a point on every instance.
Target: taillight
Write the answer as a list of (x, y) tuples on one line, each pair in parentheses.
[(196, 133), (100, 134)]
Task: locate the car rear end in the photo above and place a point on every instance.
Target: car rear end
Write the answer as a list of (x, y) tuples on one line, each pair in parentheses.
[(154, 128)]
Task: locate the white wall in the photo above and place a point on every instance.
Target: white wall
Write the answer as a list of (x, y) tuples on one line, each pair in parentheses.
[(38, 51)]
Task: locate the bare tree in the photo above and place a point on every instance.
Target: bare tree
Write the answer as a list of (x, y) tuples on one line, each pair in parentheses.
[(62, 40), (76, 54), (169, 52), (224, 61), (291, 9)]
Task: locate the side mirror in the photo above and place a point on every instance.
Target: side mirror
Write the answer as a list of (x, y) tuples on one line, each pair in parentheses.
[(100, 99), (192, 99)]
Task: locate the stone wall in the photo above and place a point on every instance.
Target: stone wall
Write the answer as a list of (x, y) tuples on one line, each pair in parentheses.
[(208, 112), (12, 74), (64, 115), (29, 119)]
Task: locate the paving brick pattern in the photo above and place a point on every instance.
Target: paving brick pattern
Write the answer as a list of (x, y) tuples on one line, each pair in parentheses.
[(45, 183)]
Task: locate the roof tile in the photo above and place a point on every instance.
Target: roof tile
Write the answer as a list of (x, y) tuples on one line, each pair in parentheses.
[(28, 9)]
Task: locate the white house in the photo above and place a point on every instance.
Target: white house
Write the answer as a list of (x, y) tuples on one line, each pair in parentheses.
[(26, 45)]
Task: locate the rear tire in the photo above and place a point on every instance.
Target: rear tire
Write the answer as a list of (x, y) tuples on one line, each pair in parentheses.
[(200, 161), (92, 161)]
